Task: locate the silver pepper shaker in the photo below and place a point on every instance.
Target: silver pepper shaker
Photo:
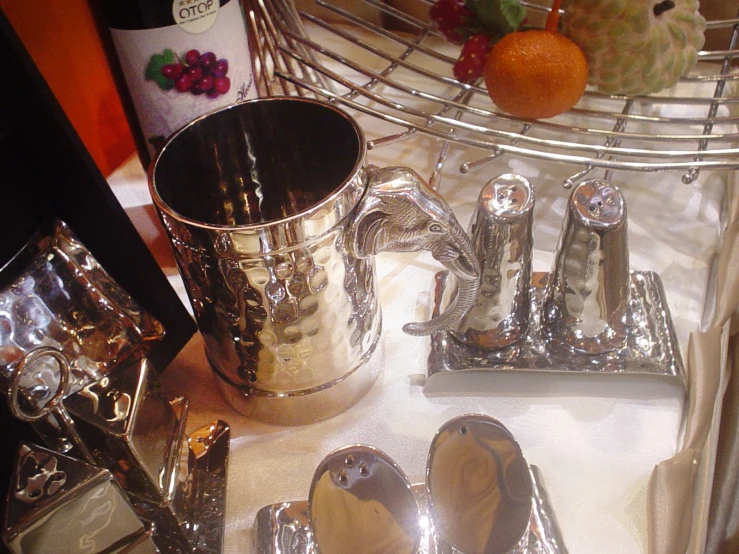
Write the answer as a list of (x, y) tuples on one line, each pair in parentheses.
[(586, 303), (501, 231)]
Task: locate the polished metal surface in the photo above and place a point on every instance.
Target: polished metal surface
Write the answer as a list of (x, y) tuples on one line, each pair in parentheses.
[(272, 216), (502, 233), (55, 294), (360, 501), (478, 485), (175, 482), (586, 307), (59, 504), (194, 519), (480, 497), (205, 481), (650, 347), (401, 73), (284, 529), (400, 214), (53, 410), (131, 429)]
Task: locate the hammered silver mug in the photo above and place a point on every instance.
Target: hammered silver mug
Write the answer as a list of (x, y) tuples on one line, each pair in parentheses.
[(274, 217)]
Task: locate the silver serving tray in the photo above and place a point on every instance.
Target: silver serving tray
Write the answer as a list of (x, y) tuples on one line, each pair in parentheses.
[(651, 346), (283, 528)]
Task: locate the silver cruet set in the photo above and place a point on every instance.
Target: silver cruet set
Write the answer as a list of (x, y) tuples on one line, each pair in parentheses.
[(480, 496), (591, 313)]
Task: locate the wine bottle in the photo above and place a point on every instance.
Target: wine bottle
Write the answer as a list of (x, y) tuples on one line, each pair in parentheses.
[(178, 59)]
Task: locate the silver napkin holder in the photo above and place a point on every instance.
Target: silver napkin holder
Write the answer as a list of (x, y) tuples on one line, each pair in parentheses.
[(72, 364), (57, 295), (60, 504), (589, 315), (176, 483)]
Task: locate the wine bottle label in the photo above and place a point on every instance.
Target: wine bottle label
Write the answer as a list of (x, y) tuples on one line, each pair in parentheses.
[(178, 72)]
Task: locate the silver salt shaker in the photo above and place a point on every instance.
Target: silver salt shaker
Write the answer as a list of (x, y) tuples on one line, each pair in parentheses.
[(501, 231), (587, 297)]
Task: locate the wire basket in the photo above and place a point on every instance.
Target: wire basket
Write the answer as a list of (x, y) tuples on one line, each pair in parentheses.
[(408, 83)]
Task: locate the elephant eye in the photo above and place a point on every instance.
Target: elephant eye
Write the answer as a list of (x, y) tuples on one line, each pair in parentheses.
[(436, 228)]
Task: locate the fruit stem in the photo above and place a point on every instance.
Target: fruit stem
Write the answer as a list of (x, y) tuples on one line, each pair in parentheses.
[(553, 17)]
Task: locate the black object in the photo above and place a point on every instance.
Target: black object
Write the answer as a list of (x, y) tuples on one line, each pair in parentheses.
[(46, 172)]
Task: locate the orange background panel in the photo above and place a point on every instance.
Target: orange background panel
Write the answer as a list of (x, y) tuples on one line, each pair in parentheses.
[(63, 41)]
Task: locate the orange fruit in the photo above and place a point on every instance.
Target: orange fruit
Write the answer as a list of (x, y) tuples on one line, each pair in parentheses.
[(536, 74)]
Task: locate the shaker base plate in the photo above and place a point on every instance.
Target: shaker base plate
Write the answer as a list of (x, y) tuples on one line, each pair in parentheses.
[(650, 348), (283, 528)]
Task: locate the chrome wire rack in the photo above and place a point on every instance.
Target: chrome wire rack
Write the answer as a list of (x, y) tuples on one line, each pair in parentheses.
[(396, 67)]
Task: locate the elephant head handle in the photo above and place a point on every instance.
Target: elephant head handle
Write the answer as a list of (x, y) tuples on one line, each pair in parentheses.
[(400, 213)]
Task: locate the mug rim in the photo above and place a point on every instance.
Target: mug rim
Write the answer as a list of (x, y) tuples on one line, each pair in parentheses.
[(162, 205)]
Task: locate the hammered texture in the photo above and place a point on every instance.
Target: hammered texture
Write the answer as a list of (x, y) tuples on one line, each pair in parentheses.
[(288, 321), (64, 299)]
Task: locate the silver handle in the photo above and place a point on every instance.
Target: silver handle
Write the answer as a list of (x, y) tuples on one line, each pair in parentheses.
[(400, 213)]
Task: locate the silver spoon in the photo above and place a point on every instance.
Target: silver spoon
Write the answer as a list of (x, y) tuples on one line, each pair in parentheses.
[(478, 485), (361, 502)]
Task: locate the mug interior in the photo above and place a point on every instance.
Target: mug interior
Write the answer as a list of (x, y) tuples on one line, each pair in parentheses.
[(257, 161)]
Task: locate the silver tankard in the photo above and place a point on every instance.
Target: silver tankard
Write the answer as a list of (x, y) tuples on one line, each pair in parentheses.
[(274, 217)]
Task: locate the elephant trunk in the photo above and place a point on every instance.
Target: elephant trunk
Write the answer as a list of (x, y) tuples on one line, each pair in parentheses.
[(466, 268)]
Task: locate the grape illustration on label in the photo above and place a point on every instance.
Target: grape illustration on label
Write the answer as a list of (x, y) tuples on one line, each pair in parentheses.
[(198, 74)]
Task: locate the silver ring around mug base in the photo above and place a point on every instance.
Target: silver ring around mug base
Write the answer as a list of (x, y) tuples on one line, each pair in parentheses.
[(301, 409)]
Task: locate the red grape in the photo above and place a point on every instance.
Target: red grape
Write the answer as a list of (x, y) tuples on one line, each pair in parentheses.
[(200, 74), (192, 57), (172, 71), (183, 84), (206, 83), (194, 72), (220, 68), (222, 85), (207, 60)]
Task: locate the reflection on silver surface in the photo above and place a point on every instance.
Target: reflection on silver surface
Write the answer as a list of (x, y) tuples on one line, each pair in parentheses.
[(55, 294), (284, 529), (587, 300), (650, 346), (273, 218), (59, 504), (478, 485), (360, 501), (175, 482), (206, 483), (53, 410), (480, 497), (194, 520), (502, 233), (131, 429)]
